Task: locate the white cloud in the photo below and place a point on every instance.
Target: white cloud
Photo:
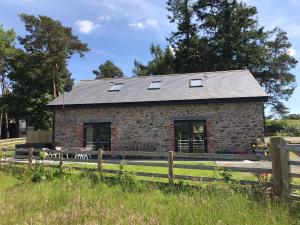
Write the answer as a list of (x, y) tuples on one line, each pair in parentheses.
[(291, 52), (151, 22), (144, 24), (103, 18), (137, 26), (86, 26)]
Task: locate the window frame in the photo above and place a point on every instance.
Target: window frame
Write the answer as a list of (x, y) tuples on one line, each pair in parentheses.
[(195, 86), (112, 89), (154, 82)]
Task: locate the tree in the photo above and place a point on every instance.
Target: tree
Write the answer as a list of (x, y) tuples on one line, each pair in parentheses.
[(233, 33), (31, 89), (38, 71), (162, 63), (108, 70), (56, 42), (292, 117), (274, 72), (215, 35), (238, 42), (7, 50), (186, 41)]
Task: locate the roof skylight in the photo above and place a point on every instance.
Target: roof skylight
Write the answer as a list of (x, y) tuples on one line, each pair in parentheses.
[(154, 85), (196, 83), (116, 87)]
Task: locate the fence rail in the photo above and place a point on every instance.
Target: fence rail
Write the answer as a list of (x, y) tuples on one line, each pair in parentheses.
[(281, 164), (170, 160), (11, 143), (289, 189)]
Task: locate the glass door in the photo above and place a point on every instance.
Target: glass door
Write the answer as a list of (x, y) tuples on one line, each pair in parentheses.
[(198, 137), (97, 135), (90, 138), (190, 136), (104, 136), (182, 137)]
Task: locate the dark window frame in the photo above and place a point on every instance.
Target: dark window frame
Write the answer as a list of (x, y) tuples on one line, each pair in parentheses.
[(190, 133), (96, 123)]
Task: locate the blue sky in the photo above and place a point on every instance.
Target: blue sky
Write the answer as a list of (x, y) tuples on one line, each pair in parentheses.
[(122, 30)]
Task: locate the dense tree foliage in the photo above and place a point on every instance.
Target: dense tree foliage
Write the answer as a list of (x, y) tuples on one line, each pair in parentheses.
[(38, 71), (162, 63), (292, 117), (31, 89), (56, 42), (108, 70), (215, 35), (7, 50)]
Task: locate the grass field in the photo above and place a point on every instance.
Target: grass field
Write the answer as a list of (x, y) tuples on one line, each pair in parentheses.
[(78, 200), (295, 123)]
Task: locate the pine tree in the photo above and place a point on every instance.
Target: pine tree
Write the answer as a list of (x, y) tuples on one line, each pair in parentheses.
[(57, 43), (108, 70), (162, 63)]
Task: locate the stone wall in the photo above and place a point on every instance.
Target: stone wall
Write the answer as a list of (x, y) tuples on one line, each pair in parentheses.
[(230, 126)]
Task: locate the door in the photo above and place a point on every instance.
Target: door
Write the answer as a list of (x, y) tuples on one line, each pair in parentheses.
[(190, 136), (97, 135)]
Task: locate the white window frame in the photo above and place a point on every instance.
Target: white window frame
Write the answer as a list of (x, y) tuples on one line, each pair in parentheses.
[(116, 87), (154, 85), (198, 83)]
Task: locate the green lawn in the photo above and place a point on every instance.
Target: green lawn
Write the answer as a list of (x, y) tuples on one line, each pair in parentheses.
[(78, 200)]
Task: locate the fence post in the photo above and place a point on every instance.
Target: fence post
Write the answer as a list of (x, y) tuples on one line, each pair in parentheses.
[(285, 167), (280, 169), (100, 160), (30, 156), (61, 159), (171, 166)]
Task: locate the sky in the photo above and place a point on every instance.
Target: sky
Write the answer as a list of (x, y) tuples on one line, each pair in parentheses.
[(122, 30)]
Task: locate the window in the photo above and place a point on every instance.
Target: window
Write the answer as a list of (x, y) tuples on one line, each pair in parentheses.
[(116, 87), (196, 83), (97, 135), (154, 85)]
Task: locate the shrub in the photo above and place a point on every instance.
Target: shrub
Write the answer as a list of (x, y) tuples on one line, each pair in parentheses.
[(41, 173), (283, 127), (127, 179), (274, 126), (292, 117), (292, 131), (93, 176), (43, 155)]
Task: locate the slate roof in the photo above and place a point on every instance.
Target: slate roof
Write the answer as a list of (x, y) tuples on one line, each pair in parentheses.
[(216, 85)]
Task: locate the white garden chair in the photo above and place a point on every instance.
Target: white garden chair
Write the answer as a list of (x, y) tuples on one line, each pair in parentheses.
[(83, 155)]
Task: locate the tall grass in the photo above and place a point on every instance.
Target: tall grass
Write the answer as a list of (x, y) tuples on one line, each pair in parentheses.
[(88, 200)]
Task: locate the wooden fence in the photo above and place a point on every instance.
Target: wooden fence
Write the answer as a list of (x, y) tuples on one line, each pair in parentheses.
[(11, 143), (281, 164), (164, 159), (39, 136), (288, 171)]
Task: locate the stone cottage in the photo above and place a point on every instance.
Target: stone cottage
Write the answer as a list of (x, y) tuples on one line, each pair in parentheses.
[(199, 112)]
